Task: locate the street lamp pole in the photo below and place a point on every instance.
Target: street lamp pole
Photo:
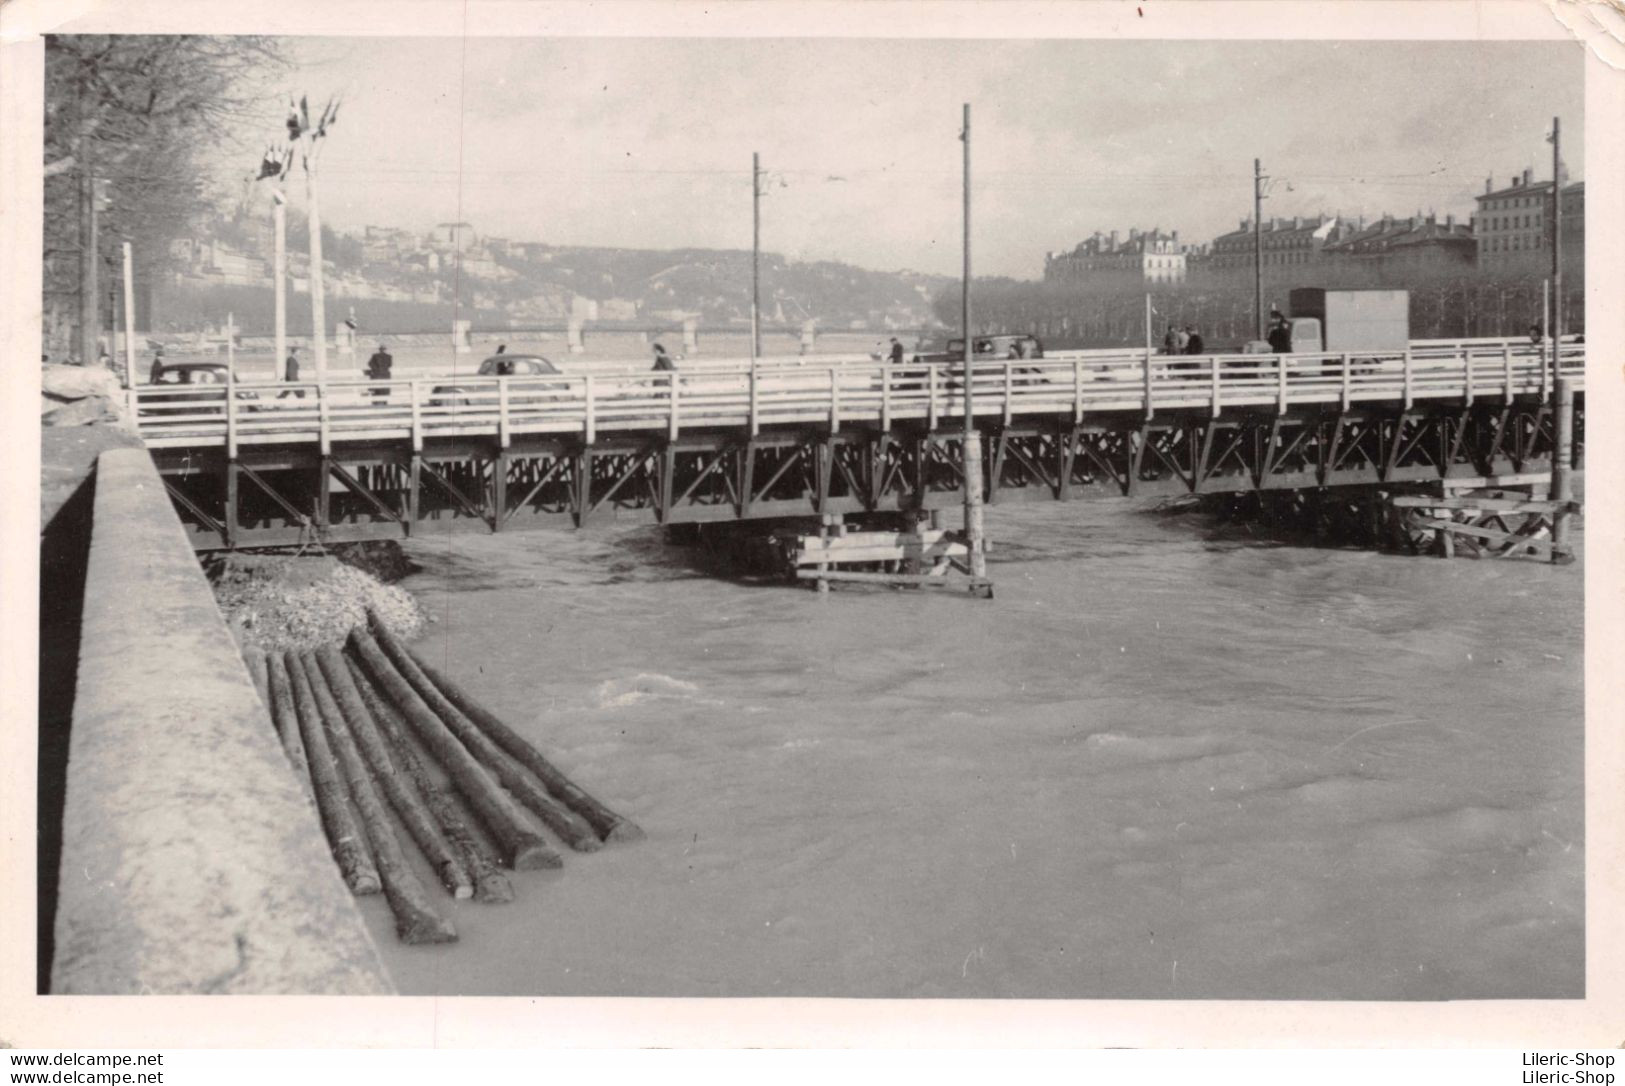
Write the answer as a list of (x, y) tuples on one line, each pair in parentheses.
[(972, 442), (755, 255), (1258, 249)]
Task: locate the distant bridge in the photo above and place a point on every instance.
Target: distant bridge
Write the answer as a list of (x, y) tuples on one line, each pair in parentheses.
[(272, 464)]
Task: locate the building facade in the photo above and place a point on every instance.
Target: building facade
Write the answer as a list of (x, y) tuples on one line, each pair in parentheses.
[(1150, 256), (1294, 243), (1513, 226)]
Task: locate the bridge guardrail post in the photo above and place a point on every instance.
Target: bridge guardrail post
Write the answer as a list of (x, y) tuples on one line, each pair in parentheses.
[(1009, 391), (502, 411), (755, 421), (834, 400), (591, 423), (1348, 387), (417, 416), (1408, 369), (1280, 383), (671, 387), (1077, 391), (1148, 408), (1467, 374), (1213, 368), (931, 398), (1506, 368), (231, 413), (324, 438), (885, 398)]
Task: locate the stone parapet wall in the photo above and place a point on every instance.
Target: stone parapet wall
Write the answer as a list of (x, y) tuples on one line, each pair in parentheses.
[(191, 860)]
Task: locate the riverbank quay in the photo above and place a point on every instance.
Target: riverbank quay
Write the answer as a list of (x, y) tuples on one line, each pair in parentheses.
[(191, 863)]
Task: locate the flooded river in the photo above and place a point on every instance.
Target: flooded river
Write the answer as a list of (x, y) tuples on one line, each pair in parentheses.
[(1158, 764)]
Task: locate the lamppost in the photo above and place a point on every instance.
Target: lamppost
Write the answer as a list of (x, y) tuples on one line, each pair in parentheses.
[(308, 136)]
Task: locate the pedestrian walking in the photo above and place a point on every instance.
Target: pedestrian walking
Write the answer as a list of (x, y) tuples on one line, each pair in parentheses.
[(1182, 340), (663, 362), (157, 374), (290, 373), (896, 355), (1280, 334), (1170, 341), (378, 368), (1193, 341)]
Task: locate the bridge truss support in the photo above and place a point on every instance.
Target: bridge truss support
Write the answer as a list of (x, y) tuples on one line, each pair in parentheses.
[(272, 495)]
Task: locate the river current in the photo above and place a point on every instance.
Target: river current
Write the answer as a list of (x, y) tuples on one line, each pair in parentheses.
[(1159, 763)]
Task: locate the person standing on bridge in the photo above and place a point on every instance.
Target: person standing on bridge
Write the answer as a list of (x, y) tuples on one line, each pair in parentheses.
[(1280, 335), (157, 374), (895, 356), (290, 373), (1193, 341), (378, 368), (663, 362)]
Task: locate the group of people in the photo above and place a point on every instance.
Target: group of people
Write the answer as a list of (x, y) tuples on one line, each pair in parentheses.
[(1186, 340)]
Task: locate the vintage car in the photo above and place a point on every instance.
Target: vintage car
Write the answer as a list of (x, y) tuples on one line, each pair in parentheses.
[(986, 349), (193, 386), (504, 365)]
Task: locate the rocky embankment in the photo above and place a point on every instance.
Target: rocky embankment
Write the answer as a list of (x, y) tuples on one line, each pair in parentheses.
[(278, 603)]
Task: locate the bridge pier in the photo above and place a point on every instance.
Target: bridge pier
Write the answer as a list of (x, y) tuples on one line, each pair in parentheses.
[(230, 520), (324, 495), (499, 490), (414, 489)]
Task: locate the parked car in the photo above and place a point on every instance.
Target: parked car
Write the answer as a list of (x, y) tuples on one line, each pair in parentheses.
[(987, 348), (505, 365), (194, 386)]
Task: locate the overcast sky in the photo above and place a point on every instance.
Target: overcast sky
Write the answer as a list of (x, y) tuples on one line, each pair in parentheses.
[(647, 143)]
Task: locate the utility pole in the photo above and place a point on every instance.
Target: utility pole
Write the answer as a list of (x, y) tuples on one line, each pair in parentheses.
[(755, 255), (129, 318), (308, 136), (1554, 326), (1258, 249), (318, 309), (279, 269), (1562, 392), (89, 259), (972, 443)]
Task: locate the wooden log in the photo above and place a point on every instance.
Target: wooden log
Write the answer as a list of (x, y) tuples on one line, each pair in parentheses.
[(416, 921), (609, 825), (490, 884), (571, 827), (286, 719), (522, 848), (255, 659), (397, 787), (332, 800)]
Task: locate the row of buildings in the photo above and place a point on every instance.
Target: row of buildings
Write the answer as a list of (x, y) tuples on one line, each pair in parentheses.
[(1508, 235)]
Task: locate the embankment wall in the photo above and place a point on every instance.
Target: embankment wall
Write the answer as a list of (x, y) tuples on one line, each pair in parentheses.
[(191, 860)]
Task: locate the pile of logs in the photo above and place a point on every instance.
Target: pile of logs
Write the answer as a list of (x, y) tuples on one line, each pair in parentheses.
[(376, 736)]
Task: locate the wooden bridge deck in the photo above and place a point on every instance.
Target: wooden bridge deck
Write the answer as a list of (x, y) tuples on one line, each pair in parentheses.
[(363, 458)]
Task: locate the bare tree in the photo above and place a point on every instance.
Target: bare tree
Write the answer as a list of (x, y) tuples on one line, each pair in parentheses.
[(130, 122)]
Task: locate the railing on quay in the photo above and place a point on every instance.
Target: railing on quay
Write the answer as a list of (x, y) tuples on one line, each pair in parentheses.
[(832, 395)]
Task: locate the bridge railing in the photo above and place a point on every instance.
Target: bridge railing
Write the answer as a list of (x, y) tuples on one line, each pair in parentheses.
[(832, 395)]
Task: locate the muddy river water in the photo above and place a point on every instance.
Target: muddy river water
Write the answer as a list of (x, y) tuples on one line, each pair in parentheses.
[(1158, 764)]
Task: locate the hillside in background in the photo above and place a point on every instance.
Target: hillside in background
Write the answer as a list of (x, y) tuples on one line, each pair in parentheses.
[(395, 281)]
